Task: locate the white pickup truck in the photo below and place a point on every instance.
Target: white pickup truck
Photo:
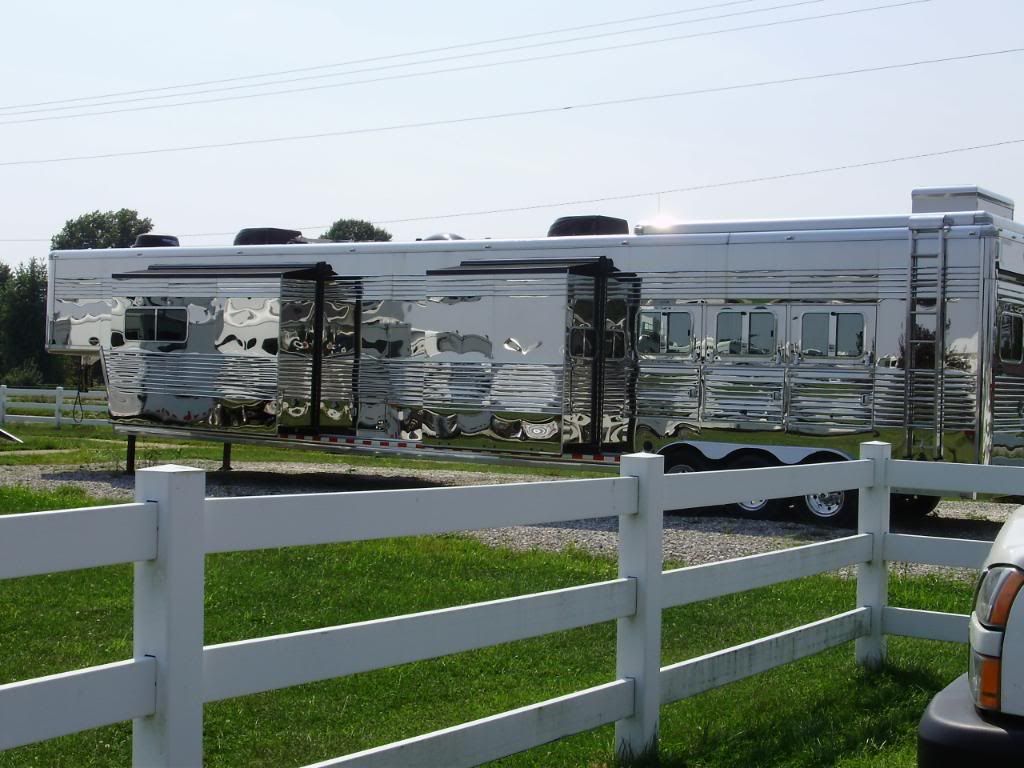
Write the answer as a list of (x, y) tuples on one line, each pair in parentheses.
[(981, 713)]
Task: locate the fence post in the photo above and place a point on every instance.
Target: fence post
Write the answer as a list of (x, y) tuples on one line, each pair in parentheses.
[(873, 577), (168, 624), (3, 403), (58, 406), (638, 640)]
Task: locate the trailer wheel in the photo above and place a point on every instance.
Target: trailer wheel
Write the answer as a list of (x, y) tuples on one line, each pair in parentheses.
[(755, 508), (837, 509), (682, 462)]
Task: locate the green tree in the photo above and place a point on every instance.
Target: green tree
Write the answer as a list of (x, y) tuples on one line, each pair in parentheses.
[(356, 230), (101, 229), (5, 274), (23, 328)]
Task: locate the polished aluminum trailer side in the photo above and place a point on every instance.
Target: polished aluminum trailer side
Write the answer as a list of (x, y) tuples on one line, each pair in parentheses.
[(735, 344)]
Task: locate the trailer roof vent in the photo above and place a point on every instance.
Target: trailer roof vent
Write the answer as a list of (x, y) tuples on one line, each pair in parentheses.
[(268, 236), (567, 226), (445, 236), (155, 241), (966, 198)]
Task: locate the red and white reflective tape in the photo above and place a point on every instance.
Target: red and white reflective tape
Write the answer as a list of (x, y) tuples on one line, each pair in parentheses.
[(354, 441)]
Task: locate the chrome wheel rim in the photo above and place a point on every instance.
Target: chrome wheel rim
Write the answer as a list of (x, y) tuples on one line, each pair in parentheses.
[(825, 505), (679, 469), (752, 505)]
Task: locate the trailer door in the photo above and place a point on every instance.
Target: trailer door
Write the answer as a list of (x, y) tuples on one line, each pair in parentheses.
[(744, 374), (669, 350), (831, 355)]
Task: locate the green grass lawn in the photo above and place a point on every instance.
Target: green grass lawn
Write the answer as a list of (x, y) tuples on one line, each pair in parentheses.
[(822, 711)]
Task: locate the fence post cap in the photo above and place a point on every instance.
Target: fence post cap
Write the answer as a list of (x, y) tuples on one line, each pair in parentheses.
[(875, 447), (170, 469), (642, 463)]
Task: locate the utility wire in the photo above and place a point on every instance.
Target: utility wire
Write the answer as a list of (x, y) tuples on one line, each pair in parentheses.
[(716, 185), (467, 67), (505, 115), (353, 62), (417, 63), (649, 193)]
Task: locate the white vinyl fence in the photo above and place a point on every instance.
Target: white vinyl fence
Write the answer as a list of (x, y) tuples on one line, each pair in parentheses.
[(172, 674), (56, 402)]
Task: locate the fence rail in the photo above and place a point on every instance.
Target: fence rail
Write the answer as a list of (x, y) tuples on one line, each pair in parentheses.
[(57, 402), (171, 527)]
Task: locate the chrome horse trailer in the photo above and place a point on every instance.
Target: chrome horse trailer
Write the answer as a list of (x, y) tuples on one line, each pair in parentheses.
[(732, 344)]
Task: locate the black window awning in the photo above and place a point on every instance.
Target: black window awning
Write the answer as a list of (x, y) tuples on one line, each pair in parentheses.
[(317, 271)]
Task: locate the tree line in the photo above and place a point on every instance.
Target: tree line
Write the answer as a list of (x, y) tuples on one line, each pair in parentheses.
[(23, 358)]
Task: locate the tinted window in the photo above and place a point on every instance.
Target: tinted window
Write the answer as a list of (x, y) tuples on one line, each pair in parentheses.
[(171, 324), (762, 333), (1011, 332), (680, 333), (729, 333), (156, 324), (650, 333), (814, 334), (140, 324), (849, 335)]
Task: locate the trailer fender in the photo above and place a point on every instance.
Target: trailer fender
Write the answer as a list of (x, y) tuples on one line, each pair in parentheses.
[(784, 454)]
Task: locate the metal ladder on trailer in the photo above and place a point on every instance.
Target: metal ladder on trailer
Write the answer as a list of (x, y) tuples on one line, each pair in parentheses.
[(925, 336)]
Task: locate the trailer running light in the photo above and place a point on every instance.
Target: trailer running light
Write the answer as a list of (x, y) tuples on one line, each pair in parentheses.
[(997, 590), (983, 676)]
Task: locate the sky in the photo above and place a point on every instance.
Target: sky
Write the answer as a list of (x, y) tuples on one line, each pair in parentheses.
[(412, 179)]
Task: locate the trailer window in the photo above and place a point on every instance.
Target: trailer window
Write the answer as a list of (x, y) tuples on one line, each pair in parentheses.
[(649, 342), (665, 333), (849, 334), (814, 335), (140, 324), (156, 324), (820, 338), (762, 333), (680, 333), (729, 333), (1011, 337)]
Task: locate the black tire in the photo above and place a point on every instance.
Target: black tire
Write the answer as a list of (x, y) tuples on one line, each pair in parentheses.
[(755, 509), (910, 507), (680, 463), (835, 509)]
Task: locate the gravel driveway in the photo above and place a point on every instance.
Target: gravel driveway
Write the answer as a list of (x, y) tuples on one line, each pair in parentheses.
[(691, 539)]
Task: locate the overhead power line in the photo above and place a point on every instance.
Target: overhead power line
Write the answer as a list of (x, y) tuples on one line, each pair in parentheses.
[(353, 62), (715, 185), (637, 195), (511, 114), (423, 61), (481, 65)]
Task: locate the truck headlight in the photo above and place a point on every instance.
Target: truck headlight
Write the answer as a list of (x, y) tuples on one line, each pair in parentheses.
[(997, 590)]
